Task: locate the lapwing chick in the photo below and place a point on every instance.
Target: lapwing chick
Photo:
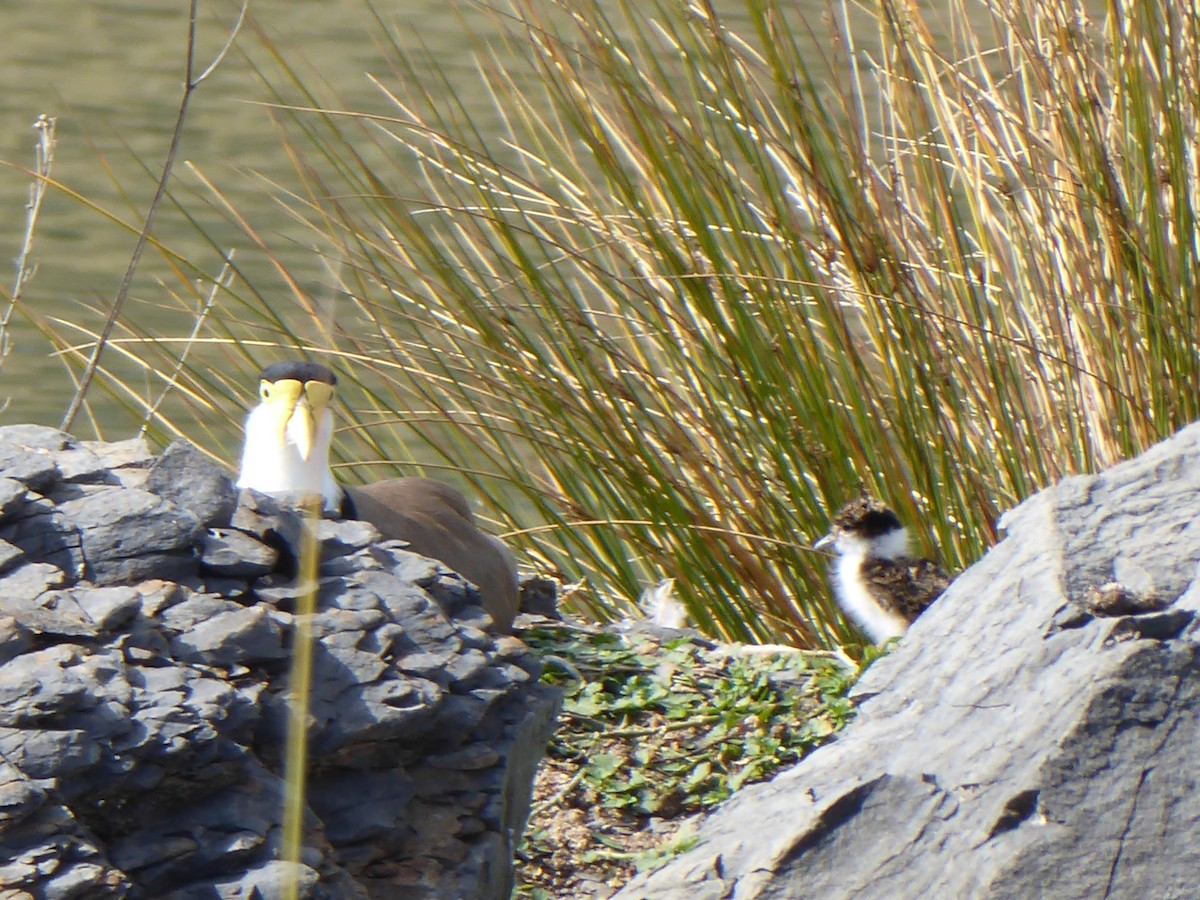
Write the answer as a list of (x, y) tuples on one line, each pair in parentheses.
[(875, 582)]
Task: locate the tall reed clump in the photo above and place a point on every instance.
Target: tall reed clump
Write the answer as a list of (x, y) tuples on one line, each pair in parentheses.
[(705, 286)]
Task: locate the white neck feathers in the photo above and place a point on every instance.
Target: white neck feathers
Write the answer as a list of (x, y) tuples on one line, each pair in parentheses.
[(853, 594), (273, 467)]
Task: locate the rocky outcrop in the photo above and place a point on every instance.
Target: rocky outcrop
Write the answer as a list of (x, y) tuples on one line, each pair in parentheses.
[(1033, 735), (147, 624)]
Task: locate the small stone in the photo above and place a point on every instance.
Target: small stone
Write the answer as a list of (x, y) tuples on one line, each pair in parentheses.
[(45, 535), (52, 612), (14, 638), (231, 588), (409, 566), (180, 565), (80, 465), (12, 496), (1116, 599), (539, 596), (35, 437), (466, 666), (36, 470), (19, 796), (349, 564), (193, 609), (130, 453), (266, 882), (339, 538), (30, 580), (236, 554), (192, 481), (109, 607), (273, 517), (10, 555), (239, 636), (158, 595)]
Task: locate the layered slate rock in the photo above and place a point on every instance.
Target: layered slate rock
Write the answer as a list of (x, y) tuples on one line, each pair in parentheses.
[(1033, 735), (147, 626)]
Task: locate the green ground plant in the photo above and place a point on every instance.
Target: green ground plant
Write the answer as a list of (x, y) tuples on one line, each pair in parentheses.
[(707, 285), (653, 731)]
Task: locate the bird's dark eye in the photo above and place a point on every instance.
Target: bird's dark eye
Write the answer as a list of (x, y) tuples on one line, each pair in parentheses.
[(264, 391)]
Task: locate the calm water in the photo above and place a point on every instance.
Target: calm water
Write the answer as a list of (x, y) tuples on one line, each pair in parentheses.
[(110, 72)]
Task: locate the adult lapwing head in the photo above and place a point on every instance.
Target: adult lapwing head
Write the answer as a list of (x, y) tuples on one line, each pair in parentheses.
[(287, 438)]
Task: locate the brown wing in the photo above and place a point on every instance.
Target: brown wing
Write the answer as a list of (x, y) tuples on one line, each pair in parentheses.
[(436, 520), (907, 586)]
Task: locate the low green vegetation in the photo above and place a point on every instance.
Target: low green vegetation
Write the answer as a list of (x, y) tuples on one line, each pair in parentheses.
[(653, 731)]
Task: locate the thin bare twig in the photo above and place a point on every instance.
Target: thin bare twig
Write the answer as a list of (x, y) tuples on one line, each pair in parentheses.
[(44, 162), (222, 281), (191, 81)]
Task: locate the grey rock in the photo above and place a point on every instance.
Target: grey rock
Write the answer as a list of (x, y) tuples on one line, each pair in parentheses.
[(12, 496), (192, 481), (108, 607), (539, 596), (51, 856), (15, 638), (48, 753), (143, 725), (39, 686), (45, 534), (53, 613), (35, 437), (10, 555), (338, 538), (244, 636), (131, 453), (30, 580), (286, 593), (32, 468), (191, 609), (1005, 749), (350, 563), (232, 588), (158, 596), (272, 518), (79, 464), (281, 519), (120, 524), (359, 806), (20, 797), (266, 882), (180, 565), (232, 553)]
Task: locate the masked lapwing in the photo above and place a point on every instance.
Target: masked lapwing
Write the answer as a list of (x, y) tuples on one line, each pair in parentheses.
[(286, 448)]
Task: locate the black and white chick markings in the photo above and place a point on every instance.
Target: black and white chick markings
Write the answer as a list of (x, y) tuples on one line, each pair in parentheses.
[(876, 583)]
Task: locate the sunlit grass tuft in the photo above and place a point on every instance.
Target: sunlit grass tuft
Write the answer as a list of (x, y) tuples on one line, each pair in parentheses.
[(700, 287)]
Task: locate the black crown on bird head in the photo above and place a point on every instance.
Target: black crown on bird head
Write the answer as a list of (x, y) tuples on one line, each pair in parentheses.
[(866, 517), (303, 372)]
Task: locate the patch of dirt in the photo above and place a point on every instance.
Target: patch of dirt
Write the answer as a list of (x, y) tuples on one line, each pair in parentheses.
[(575, 847)]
